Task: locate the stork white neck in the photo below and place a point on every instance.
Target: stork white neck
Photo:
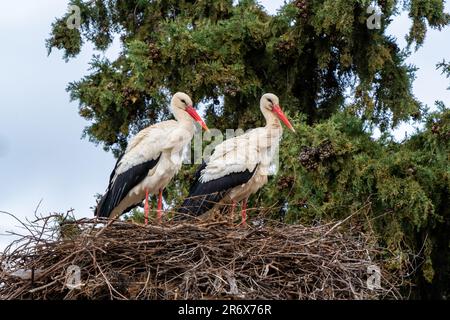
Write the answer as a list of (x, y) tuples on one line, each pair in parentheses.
[(184, 120), (272, 121), (182, 117)]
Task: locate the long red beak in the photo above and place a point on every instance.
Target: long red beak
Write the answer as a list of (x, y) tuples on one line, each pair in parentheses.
[(280, 114), (191, 111)]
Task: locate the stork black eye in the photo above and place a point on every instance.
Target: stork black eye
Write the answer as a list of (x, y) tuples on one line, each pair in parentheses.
[(270, 101), (184, 101)]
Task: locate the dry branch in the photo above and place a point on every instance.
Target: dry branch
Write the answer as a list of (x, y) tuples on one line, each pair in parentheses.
[(196, 260)]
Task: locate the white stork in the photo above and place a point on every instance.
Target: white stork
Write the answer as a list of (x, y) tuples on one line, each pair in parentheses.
[(239, 166), (150, 161)]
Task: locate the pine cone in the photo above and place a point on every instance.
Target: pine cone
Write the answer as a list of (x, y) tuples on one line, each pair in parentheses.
[(154, 52), (326, 150), (309, 158), (230, 90), (129, 95), (435, 129), (285, 50), (285, 182), (303, 9)]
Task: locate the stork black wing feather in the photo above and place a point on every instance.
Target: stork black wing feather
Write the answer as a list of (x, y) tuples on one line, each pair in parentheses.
[(113, 173), (197, 176), (204, 195), (123, 184)]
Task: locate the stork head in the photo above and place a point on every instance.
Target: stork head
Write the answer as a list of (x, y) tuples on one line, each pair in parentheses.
[(270, 102), (181, 101)]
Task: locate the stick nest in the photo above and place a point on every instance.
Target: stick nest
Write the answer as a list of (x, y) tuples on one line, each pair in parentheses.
[(195, 260)]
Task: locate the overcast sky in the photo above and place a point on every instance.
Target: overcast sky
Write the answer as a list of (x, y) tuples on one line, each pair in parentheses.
[(41, 153)]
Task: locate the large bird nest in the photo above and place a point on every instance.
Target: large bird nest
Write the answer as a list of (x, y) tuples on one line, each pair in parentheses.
[(195, 260)]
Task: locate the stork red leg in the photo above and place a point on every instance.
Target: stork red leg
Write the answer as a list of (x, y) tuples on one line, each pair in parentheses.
[(159, 212), (146, 207), (231, 213), (233, 206), (244, 213)]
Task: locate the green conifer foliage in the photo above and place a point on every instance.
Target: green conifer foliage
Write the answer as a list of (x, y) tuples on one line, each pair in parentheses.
[(310, 53), (336, 77)]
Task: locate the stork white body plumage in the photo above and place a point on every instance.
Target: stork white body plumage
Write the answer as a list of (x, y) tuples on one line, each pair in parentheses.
[(252, 152), (162, 142), (240, 166), (150, 161)]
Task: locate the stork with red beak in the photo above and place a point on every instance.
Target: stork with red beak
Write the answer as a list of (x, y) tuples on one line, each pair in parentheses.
[(239, 166), (150, 161)]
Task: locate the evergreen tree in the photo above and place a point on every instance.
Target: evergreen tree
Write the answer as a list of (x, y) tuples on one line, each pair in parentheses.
[(335, 76), (310, 53)]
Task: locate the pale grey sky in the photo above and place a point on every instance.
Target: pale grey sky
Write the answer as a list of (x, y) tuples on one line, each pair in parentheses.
[(41, 153)]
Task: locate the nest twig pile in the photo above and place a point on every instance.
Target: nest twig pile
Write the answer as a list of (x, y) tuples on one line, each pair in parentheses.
[(195, 260)]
